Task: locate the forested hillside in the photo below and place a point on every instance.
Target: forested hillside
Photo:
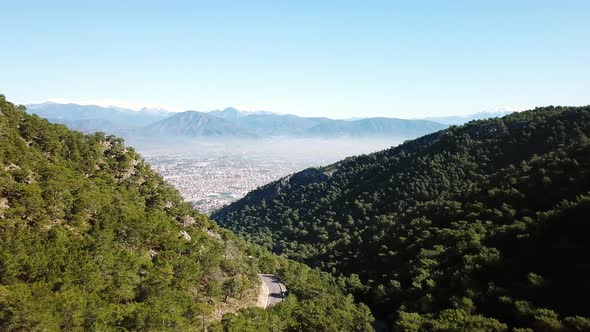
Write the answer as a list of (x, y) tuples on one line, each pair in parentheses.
[(92, 239), (478, 227)]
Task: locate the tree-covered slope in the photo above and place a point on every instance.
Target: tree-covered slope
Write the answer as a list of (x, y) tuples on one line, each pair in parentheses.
[(479, 226), (92, 239)]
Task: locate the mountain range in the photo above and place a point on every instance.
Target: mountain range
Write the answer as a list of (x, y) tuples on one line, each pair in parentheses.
[(231, 122), (92, 118), (194, 124)]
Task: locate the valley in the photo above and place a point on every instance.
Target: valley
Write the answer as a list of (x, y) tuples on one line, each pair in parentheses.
[(214, 173), (295, 166)]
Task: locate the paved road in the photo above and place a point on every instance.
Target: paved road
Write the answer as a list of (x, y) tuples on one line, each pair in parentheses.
[(276, 288)]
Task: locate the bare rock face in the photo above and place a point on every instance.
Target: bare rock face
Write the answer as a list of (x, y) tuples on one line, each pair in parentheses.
[(152, 253), (212, 234), (184, 235), (187, 221), (4, 203), (3, 206), (10, 167)]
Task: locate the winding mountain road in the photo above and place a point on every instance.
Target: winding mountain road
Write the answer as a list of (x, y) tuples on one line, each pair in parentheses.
[(272, 291)]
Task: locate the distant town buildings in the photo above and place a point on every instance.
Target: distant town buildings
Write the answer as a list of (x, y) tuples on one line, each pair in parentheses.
[(212, 182)]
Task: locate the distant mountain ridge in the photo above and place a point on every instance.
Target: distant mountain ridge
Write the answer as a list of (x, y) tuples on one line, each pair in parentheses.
[(231, 113), (377, 127), (461, 119), (92, 118), (231, 122), (194, 124)]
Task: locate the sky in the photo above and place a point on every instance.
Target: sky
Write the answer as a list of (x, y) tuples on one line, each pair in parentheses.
[(338, 59)]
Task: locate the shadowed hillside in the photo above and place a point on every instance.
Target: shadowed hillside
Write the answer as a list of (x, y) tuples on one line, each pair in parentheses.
[(480, 224)]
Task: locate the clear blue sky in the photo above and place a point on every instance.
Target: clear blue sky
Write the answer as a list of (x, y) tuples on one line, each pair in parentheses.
[(330, 58)]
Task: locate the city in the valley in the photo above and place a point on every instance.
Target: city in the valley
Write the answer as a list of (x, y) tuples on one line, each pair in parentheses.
[(211, 174)]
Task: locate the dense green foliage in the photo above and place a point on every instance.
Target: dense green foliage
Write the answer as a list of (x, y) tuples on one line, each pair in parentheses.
[(315, 302), (92, 239), (478, 227)]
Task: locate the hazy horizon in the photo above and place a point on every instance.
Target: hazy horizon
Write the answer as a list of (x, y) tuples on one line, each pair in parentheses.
[(138, 107)]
